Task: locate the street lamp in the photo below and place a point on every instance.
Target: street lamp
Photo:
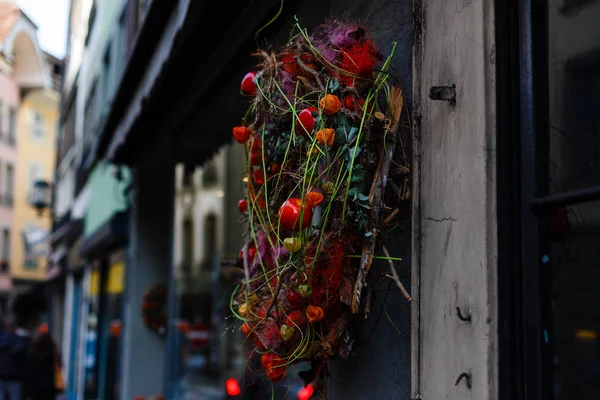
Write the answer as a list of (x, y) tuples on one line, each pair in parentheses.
[(41, 196)]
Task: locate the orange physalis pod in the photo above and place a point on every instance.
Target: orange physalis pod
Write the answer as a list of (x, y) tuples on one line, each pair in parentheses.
[(330, 104), (246, 329), (313, 199), (241, 134), (314, 313), (325, 136)]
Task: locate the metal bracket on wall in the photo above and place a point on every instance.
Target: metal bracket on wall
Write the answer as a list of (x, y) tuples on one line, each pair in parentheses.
[(464, 318), (467, 378), (443, 93)]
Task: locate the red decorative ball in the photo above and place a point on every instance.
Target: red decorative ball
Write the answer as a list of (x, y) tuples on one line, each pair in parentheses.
[(290, 213), (242, 205), (306, 121), (248, 86)]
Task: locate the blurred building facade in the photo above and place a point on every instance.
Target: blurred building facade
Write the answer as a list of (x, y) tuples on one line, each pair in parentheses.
[(29, 85)]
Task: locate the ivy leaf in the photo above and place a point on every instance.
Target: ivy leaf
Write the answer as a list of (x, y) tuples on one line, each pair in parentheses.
[(363, 197), (340, 135), (352, 192), (352, 133), (368, 234), (364, 205), (340, 120), (358, 177), (334, 85)]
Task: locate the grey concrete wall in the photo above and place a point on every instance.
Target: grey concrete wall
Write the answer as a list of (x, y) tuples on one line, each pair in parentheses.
[(380, 367), (149, 262)]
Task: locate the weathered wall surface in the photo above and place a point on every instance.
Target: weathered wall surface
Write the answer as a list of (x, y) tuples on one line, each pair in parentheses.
[(380, 367), (455, 252)]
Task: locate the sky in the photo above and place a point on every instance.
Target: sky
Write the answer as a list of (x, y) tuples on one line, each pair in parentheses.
[(51, 17)]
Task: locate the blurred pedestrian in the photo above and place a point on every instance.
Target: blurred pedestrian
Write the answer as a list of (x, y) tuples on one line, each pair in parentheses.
[(43, 375), (14, 346)]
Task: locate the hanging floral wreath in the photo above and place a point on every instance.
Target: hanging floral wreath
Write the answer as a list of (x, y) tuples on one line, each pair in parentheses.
[(323, 140), (154, 308)]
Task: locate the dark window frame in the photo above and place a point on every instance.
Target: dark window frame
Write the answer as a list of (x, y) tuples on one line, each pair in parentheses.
[(524, 200)]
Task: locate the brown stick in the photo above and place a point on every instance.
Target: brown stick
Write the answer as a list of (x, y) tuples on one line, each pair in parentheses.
[(310, 71), (391, 216), (395, 276), (275, 301), (396, 189), (375, 200)]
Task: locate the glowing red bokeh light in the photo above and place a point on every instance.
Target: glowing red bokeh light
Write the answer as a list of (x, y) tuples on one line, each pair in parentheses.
[(306, 392), (232, 387)]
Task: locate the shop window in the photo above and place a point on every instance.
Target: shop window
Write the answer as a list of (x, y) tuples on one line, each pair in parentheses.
[(91, 363), (560, 221)]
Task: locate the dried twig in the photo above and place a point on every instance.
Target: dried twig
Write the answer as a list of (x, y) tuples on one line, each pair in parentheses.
[(282, 278), (395, 276), (310, 71), (391, 216), (376, 194), (396, 189)]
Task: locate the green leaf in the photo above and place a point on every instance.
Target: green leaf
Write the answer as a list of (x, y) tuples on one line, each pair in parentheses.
[(368, 234), (363, 197), (340, 120), (352, 192), (340, 135), (352, 133), (363, 205), (333, 85)]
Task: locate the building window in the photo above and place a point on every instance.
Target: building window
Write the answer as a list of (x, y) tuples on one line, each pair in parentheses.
[(33, 174), (12, 125), (37, 125), (188, 176), (8, 185), (210, 176), (210, 239), (5, 245)]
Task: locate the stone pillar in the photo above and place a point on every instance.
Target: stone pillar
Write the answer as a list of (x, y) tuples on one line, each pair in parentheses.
[(149, 262)]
